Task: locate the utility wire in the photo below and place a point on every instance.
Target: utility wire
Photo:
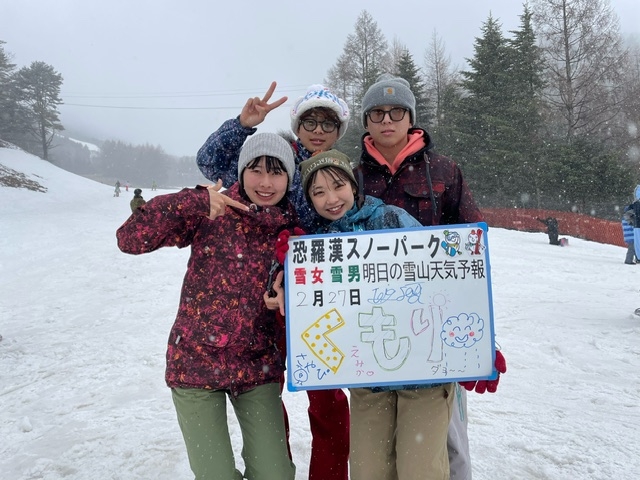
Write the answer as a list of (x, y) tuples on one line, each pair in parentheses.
[(290, 88), (284, 89), (151, 108)]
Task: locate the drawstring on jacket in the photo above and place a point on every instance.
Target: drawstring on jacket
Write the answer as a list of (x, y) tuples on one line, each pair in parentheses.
[(434, 207)]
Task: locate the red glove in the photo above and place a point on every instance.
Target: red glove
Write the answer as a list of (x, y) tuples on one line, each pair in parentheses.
[(490, 386), (282, 243)]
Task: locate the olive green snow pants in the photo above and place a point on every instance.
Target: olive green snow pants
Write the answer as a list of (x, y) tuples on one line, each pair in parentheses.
[(202, 416), (400, 434)]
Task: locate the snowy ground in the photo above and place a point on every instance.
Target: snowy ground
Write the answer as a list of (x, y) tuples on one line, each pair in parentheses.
[(84, 327)]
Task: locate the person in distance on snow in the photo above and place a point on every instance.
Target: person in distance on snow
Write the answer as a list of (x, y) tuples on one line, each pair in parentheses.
[(552, 229), (224, 341), (137, 201), (318, 119)]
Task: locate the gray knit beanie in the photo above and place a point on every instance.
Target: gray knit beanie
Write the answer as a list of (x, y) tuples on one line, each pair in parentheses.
[(389, 90), (269, 144)]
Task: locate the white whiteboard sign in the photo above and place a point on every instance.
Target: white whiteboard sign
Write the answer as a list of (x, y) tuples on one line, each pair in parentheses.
[(389, 307)]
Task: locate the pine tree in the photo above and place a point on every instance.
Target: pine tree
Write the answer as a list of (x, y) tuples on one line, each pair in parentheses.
[(582, 175), (526, 86), (407, 69), (39, 87), (484, 126), (446, 133), (13, 118), (6, 72)]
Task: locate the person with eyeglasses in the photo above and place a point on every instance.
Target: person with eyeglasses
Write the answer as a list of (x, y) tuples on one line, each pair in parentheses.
[(398, 165), (319, 119)]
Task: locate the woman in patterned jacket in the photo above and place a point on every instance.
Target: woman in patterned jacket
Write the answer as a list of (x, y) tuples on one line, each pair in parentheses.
[(318, 119), (224, 339)]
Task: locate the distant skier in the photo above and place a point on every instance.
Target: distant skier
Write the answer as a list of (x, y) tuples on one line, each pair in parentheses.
[(552, 229), (116, 192), (154, 186), (137, 200)]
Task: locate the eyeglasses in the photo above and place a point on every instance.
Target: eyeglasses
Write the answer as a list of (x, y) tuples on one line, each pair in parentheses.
[(395, 114), (310, 124)]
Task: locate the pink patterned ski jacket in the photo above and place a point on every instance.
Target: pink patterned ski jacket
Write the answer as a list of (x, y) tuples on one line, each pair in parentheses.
[(223, 338)]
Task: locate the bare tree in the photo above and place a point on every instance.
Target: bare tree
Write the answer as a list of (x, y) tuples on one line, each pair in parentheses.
[(396, 51), (364, 57), (439, 75), (584, 57), (630, 139), (340, 77)]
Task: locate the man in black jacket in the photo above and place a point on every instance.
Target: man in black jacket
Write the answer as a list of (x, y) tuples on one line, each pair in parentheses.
[(552, 229)]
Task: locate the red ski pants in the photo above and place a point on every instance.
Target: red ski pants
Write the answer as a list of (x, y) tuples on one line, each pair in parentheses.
[(329, 422)]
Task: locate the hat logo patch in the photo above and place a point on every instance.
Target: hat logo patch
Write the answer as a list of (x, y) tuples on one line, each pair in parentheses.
[(390, 91)]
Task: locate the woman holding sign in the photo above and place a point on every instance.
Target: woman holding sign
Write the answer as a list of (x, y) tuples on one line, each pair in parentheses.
[(223, 343), (388, 424), (318, 119)]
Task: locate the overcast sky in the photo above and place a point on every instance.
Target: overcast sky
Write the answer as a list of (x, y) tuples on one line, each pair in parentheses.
[(177, 70)]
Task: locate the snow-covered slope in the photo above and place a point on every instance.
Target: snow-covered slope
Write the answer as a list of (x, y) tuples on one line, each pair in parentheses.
[(82, 392)]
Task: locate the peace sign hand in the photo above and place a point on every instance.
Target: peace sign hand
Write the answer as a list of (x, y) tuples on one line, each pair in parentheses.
[(256, 109), (218, 202)]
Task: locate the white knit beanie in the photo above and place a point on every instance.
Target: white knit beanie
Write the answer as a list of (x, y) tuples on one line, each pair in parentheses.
[(320, 96), (269, 144), (389, 90)]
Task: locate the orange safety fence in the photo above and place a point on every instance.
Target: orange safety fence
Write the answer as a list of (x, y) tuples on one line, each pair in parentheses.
[(571, 224)]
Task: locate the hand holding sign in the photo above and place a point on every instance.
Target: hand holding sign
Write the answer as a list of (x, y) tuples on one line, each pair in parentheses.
[(488, 385), (275, 301), (282, 243)]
